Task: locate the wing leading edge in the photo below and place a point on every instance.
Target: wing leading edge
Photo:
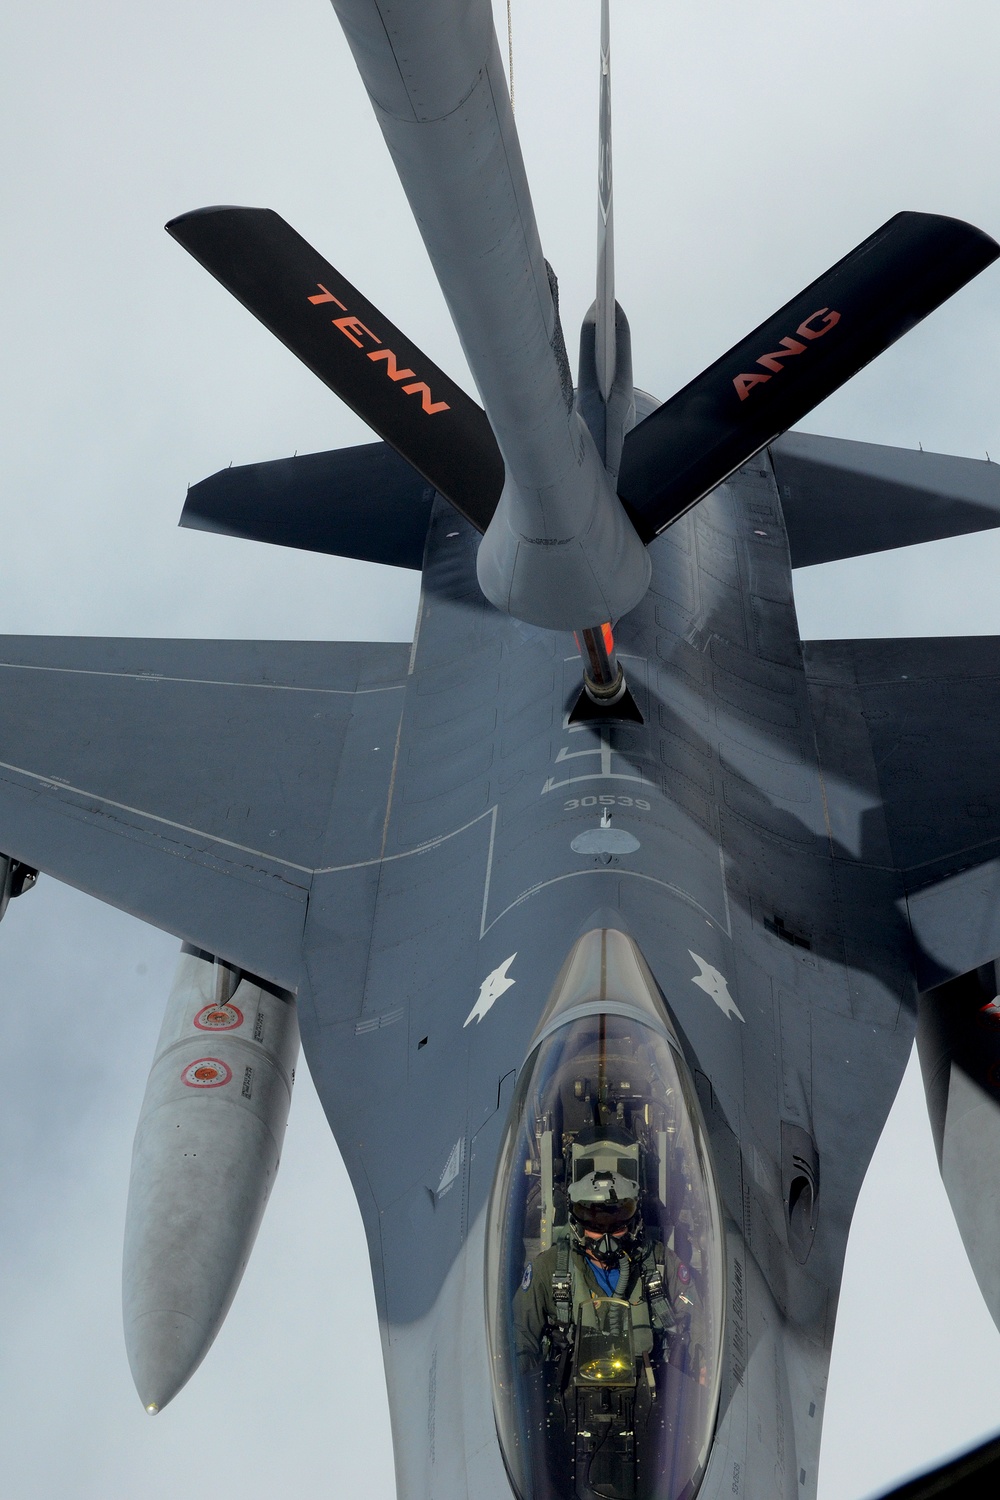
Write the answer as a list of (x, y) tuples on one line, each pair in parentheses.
[(198, 785)]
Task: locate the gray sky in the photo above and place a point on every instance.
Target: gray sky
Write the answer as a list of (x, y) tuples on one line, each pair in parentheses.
[(754, 145)]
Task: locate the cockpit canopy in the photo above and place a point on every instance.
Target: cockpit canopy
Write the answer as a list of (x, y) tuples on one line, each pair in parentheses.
[(605, 1277)]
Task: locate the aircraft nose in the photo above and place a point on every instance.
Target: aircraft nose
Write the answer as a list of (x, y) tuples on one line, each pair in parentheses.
[(602, 1387)]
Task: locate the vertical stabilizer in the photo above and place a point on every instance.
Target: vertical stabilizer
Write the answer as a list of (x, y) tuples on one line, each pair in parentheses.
[(605, 393), (605, 303)]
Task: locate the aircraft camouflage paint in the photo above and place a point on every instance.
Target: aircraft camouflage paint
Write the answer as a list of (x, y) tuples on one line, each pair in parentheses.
[(662, 908)]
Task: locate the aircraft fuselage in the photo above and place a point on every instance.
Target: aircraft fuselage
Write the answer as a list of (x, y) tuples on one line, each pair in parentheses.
[(776, 951)]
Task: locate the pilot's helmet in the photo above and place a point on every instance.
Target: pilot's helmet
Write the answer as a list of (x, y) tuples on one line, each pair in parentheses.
[(604, 1193)]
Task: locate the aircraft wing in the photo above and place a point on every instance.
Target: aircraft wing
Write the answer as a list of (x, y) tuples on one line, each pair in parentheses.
[(914, 726), (197, 784)]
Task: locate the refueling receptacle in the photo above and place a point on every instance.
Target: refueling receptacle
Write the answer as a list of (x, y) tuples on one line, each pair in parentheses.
[(605, 695)]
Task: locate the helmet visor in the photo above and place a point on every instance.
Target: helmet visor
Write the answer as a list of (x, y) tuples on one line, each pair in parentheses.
[(604, 1202)]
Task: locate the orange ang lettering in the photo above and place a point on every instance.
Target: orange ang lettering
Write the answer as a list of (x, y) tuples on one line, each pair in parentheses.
[(788, 348), (810, 328)]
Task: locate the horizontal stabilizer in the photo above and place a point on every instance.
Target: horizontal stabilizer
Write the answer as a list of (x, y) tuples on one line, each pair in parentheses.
[(363, 502), (907, 732), (353, 348), (793, 361), (846, 499)]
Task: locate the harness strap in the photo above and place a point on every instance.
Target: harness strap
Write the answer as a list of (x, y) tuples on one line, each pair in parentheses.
[(562, 1285), (656, 1296)]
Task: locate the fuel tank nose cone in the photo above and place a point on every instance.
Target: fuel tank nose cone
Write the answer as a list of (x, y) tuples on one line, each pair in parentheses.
[(163, 1350)]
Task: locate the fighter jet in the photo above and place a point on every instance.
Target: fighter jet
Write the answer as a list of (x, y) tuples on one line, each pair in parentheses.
[(567, 927)]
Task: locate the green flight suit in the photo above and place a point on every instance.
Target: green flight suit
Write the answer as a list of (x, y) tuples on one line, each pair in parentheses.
[(536, 1315)]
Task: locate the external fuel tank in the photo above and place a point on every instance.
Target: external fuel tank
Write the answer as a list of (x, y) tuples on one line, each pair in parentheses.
[(206, 1151), (958, 1041)]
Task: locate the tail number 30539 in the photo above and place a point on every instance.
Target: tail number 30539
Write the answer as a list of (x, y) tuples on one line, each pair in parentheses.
[(572, 803)]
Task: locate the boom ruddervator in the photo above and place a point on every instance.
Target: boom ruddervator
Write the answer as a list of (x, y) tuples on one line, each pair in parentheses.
[(605, 1274)]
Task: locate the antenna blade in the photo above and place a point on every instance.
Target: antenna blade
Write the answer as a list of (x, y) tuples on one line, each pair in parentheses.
[(353, 348), (605, 305), (794, 361)]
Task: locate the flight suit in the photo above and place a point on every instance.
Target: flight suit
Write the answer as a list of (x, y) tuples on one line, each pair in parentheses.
[(536, 1313)]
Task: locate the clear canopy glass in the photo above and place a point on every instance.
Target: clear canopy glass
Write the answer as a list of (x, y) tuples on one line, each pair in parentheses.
[(605, 1275)]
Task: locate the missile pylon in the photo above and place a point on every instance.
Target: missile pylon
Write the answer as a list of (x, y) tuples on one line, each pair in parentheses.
[(207, 1148)]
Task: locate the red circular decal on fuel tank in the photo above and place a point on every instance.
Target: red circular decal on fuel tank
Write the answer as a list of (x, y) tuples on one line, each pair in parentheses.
[(206, 1073), (219, 1018)]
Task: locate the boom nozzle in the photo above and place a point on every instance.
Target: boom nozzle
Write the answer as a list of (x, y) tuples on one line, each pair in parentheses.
[(603, 678), (605, 692)]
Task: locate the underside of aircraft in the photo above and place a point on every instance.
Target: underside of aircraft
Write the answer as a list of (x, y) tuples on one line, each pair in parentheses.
[(703, 883)]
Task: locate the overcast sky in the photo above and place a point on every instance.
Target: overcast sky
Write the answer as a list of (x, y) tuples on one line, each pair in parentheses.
[(754, 145)]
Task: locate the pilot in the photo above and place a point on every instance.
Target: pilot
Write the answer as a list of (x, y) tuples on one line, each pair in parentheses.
[(605, 1252)]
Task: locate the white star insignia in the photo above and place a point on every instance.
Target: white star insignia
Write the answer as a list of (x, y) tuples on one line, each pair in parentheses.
[(715, 985), (492, 987)]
